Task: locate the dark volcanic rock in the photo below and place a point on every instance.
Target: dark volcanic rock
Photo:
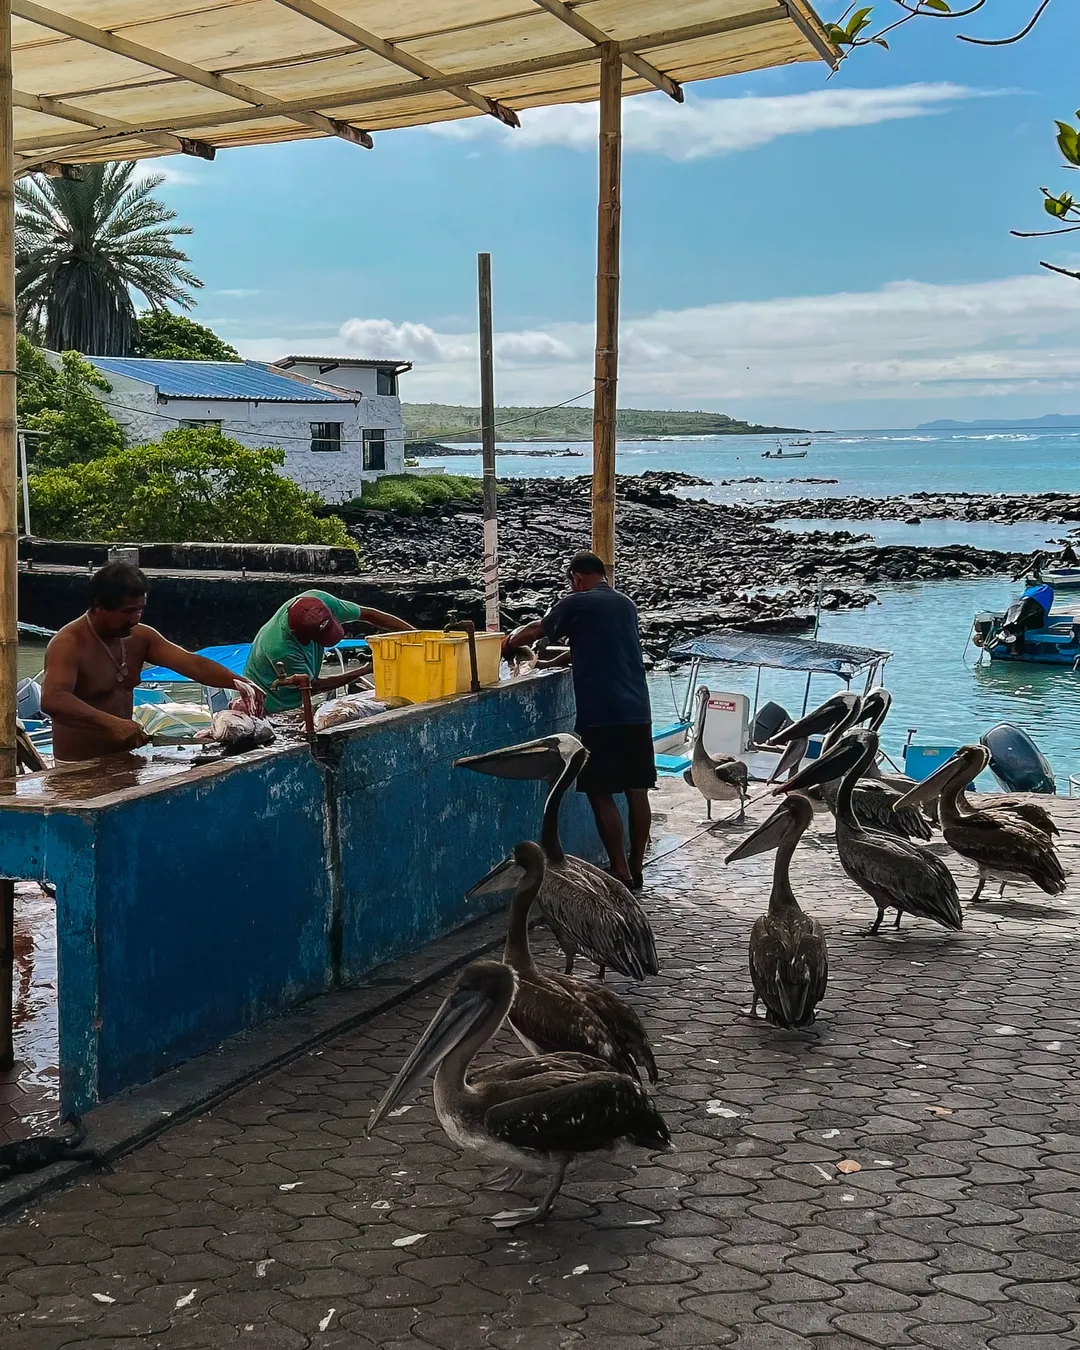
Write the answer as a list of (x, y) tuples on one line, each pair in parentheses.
[(690, 565)]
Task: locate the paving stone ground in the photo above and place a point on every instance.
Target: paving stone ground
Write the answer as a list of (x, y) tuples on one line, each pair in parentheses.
[(944, 1065)]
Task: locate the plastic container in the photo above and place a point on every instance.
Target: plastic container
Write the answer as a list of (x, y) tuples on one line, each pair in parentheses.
[(430, 664)]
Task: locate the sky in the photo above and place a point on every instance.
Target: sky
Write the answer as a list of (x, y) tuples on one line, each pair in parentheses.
[(796, 249)]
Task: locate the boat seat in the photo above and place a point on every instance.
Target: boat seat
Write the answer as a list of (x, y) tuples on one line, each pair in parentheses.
[(672, 765)]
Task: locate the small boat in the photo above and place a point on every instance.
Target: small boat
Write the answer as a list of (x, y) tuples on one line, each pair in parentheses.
[(1063, 578), (795, 444), (1030, 630), (734, 724), (779, 453)]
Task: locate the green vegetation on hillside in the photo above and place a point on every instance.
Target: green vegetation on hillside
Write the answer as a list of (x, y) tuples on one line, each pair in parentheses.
[(445, 422), (408, 494)]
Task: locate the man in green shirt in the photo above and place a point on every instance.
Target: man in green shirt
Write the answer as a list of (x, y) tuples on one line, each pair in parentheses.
[(296, 638)]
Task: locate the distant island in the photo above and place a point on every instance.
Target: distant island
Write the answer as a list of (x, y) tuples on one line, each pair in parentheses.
[(447, 422), (1051, 422)]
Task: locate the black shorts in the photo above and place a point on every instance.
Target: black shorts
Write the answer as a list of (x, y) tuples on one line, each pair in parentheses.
[(620, 759)]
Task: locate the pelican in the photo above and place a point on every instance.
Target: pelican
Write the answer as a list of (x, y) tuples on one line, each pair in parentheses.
[(587, 909), (718, 780), (552, 1013), (532, 1115), (1001, 844), (789, 965), (894, 872), (875, 798)]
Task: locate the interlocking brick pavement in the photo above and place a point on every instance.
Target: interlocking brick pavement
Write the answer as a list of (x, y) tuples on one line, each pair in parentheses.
[(944, 1064)]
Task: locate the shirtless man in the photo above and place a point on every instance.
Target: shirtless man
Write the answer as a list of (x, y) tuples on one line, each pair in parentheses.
[(94, 663)]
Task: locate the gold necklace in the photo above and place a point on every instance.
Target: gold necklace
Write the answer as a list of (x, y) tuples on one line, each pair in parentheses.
[(121, 665)]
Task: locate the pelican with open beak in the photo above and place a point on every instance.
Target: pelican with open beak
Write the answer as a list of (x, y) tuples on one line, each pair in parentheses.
[(1003, 846), (588, 910), (532, 1115), (894, 872), (789, 963)]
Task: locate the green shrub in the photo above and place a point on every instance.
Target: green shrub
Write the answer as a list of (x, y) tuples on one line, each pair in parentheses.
[(408, 493), (194, 484), (169, 336), (62, 408)]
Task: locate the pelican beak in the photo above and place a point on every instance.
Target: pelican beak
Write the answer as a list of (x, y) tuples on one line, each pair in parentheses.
[(931, 786), (792, 756), (766, 837), (458, 1015), (833, 764), (504, 876), (543, 759), (816, 723)]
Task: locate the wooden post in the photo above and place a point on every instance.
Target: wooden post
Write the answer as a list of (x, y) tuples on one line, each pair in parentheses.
[(9, 632), (490, 567), (607, 307)]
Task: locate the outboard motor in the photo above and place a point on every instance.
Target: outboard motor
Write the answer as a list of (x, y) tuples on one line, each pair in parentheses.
[(1016, 761), (1030, 611), (771, 719)]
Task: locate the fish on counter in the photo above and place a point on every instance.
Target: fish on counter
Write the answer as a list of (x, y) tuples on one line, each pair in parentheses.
[(243, 725)]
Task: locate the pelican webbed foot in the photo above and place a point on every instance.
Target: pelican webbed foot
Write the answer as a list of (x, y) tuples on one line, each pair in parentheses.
[(872, 931), (977, 892), (752, 1010)]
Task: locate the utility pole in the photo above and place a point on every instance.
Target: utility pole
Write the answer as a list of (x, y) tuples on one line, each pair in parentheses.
[(490, 568)]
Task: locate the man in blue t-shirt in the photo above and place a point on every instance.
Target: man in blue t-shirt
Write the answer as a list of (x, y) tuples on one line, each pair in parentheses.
[(614, 720)]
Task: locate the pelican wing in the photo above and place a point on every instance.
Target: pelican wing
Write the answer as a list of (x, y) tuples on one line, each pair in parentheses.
[(1003, 843), (598, 916), (789, 966), (1031, 812), (556, 1013), (594, 1111), (897, 874), (874, 802), (564, 1067)]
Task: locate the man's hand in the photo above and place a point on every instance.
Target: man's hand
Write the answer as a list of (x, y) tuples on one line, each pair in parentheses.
[(130, 736), (292, 681)]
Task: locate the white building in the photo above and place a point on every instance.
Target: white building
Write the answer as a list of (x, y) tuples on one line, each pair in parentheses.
[(335, 436)]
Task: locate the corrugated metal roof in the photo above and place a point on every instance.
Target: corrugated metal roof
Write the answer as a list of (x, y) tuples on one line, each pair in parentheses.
[(217, 379)]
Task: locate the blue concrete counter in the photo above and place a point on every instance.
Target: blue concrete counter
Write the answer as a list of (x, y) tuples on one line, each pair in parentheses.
[(194, 902)]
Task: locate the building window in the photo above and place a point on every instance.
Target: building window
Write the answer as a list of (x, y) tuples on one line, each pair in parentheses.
[(198, 423), (375, 448), (386, 382), (326, 435)]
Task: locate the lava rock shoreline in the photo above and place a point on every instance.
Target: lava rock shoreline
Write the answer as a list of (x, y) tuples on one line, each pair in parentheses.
[(690, 565)]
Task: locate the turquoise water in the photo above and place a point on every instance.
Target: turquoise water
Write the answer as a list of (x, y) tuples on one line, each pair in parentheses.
[(869, 464), (936, 687)]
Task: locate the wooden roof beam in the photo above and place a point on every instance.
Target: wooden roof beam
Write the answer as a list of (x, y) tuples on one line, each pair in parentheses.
[(54, 107), (666, 37), (599, 38), (345, 28), (220, 84)]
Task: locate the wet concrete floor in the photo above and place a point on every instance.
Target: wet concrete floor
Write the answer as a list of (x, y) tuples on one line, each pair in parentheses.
[(29, 1093)]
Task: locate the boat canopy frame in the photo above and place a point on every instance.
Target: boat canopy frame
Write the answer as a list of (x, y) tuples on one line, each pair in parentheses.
[(777, 651)]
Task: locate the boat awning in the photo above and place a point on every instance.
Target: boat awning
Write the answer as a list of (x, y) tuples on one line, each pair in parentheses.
[(121, 79), (780, 652)]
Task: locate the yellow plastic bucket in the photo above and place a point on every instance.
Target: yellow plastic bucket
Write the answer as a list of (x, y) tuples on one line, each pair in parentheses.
[(429, 664)]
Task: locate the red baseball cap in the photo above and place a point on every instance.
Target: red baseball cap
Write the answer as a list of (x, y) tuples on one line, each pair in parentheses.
[(311, 621)]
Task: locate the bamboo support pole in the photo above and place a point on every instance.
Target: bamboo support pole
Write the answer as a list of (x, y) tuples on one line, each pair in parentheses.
[(9, 633), (607, 307), (490, 567)]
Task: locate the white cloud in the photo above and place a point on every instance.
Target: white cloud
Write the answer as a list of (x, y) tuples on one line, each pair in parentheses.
[(908, 343), (700, 128), (171, 177), (241, 292)]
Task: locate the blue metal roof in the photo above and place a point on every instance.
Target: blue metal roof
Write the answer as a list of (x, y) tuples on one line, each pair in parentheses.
[(216, 379)]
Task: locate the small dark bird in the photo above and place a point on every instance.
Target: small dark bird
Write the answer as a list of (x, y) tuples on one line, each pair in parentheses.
[(42, 1150)]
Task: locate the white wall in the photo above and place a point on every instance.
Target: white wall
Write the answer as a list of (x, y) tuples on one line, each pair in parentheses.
[(335, 475)]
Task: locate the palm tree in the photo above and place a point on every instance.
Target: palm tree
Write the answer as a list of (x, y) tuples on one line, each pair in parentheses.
[(82, 247)]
